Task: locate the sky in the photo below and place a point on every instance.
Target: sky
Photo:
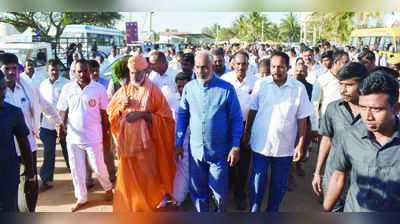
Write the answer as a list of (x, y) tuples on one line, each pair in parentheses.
[(192, 22)]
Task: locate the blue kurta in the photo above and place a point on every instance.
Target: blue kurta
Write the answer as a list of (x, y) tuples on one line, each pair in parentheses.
[(215, 118)]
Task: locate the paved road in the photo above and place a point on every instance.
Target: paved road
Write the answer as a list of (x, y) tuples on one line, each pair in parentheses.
[(61, 197)]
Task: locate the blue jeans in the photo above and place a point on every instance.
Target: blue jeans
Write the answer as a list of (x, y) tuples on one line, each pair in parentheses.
[(280, 167), (49, 139), (205, 175)]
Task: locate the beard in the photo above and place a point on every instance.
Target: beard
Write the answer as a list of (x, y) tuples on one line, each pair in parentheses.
[(137, 82), (204, 77), (219, 69)]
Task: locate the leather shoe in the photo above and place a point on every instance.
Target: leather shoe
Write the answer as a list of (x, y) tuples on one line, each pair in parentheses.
[(44, 187)]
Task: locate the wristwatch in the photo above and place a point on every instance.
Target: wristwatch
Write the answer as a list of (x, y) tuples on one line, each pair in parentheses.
[(236, 149), (34, 178)]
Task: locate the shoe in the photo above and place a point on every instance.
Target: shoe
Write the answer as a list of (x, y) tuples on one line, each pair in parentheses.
[(109, 195), (44, 187), (241, 204), (78, 206)]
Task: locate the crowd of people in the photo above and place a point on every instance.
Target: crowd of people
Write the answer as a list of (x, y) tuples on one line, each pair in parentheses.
[(202, 121)]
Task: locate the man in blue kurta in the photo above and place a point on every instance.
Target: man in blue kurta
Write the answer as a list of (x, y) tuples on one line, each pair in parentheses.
[(211, 107)]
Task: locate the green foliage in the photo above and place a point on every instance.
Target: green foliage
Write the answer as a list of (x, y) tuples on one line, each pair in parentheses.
[(251, 27), (120, 70), (290, 28), (44, 20), (337, 26)]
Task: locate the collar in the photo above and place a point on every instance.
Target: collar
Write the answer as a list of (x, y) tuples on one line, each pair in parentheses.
[(77, 85), (289, 81)]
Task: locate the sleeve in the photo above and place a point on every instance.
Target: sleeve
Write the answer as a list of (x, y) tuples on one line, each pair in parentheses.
[(326, 124), (183, 118), (114, 114), (62, 103), (48, 109), (305, 108), (254, 98), (235, 117), (110, 89), (340, 159), (103, 98), (316, 101), (20, 128)]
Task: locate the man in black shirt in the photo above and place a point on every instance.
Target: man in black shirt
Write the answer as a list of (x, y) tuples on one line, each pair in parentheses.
[(12, 123)]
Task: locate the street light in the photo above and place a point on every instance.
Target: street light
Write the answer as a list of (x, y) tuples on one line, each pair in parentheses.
[(151, 14)]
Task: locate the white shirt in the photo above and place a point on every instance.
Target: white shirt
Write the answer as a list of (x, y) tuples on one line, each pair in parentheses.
[(314, 73), (278, 109), (243, 89), (40, 104), (174, 99), (36, 79), (325, 91), (252, 69), (168, 79), (22, 97), (84, 118), (51, 93), (174, 64)]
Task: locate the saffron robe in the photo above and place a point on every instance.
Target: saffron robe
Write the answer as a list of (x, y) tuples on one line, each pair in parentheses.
[(145, 150)]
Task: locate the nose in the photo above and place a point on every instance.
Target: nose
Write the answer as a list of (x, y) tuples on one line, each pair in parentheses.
[(370, 116)]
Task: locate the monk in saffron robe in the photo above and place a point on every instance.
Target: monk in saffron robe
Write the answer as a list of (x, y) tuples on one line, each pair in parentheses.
[(142, 123)]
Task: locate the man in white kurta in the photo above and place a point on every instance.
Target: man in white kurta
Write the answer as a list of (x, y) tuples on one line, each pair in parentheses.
[(21, 94), (278, 112), (86, 101), (181, 181), (244, 82), (326, 90), (161, 75)]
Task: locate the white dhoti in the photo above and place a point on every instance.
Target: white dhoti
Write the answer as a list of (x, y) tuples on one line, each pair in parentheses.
[(181, 181), (94, 151)]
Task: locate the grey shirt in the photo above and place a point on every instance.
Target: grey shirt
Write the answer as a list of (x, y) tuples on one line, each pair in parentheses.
[(337, 118), (374, 169)]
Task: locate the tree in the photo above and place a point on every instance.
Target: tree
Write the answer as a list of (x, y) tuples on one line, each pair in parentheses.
[(290, 28), (337, 26), (251, 27), (212, 31), (43, 21), (171, 30), (275, 34)]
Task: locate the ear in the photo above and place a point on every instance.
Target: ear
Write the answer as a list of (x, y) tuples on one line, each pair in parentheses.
[(396, 108)]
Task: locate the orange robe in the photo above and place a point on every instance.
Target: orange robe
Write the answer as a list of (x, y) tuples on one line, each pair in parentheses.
[(145, 150)]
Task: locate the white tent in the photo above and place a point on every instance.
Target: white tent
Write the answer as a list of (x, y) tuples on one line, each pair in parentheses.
[(7, 29)]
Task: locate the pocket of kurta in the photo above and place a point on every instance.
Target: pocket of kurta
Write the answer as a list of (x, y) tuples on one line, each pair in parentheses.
[(134, 137)]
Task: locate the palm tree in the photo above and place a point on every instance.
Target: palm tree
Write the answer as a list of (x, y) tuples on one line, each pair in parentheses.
[(290, 28), (251, 26), (274, 34)]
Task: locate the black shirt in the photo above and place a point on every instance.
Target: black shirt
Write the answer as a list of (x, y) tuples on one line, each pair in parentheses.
[(12, 123)]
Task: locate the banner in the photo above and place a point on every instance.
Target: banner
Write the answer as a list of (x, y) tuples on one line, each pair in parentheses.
[(131, 32)]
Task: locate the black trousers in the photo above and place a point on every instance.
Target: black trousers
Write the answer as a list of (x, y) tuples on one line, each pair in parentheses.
[(239, 173)]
